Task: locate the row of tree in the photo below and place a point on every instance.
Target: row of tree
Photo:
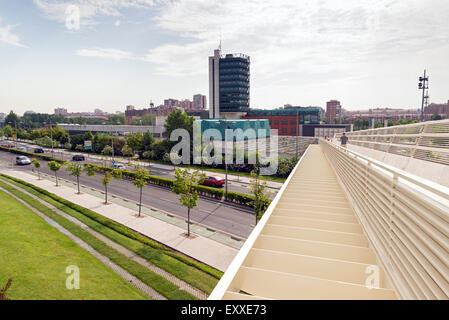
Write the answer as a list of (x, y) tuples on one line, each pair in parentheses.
[(184, 183), (142, 145), (38, 120)]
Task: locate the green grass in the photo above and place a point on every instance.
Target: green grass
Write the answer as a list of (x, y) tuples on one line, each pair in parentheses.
[(183, 268), (152, 279), (35, 256)]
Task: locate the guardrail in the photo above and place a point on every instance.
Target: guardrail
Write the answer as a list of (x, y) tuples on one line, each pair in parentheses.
[(405, 217), (427, 141)]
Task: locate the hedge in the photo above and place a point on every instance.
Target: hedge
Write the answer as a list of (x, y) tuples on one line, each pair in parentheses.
[(31, 155), (215, 193)]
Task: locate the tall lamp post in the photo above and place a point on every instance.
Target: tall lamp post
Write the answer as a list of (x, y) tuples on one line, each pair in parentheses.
[(112, 143), (424, 85), (225, 122)]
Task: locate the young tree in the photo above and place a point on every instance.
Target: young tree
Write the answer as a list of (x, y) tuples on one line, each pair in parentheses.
[(127, 151), (140, 180), (37, 166), (183, 185), (259, 194), (147, 141), (134, 140), (55, 167), (75, 171), (107, 177)]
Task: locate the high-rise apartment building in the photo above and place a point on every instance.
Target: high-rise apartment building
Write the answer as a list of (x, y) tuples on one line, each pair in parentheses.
[(333, 111), (228, 85), (199, 102)]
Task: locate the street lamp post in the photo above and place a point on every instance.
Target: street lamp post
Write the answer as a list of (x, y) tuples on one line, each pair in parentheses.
[(424, 85), (226, 163)]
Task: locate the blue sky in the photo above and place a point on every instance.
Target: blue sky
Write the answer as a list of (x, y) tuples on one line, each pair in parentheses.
[(304, 52)]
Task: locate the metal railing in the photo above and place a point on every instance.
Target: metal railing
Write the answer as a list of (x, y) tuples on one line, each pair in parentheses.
[(428, 141), (405, 217)]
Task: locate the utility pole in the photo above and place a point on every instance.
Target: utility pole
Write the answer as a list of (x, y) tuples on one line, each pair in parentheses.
[(424, 85), (51, 136), (152, 124)]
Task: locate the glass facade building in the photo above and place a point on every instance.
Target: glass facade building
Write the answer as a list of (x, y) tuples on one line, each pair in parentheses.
[(234, 83), (228, 85)]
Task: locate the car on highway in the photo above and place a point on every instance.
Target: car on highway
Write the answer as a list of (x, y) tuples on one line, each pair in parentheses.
[(38, 150), (214, 181), (78, 157), (119, 166), (22, 160), (20, 148)]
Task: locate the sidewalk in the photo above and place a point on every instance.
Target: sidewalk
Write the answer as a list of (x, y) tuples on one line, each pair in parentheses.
[(201, 248)]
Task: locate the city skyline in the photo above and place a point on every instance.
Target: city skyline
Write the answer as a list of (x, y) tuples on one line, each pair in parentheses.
[(130, 52)]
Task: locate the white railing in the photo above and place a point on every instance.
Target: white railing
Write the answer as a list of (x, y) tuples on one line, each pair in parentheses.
[(427, 141), (405, 217)]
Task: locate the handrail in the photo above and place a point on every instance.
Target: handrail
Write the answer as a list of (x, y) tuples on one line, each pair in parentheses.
[(427, 141), (405, 217), (431, 186)]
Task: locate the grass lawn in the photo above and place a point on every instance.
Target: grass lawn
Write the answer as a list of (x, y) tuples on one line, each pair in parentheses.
[(35, 255), (193, 274)]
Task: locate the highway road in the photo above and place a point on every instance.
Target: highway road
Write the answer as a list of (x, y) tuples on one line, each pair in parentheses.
[(155, 169), (234, 219)]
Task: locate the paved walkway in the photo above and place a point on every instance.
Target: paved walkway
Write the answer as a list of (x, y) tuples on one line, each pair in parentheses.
[(105, 260), (200, 248)]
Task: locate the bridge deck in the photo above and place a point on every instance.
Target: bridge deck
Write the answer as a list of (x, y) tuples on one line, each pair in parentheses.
[(312, 245)]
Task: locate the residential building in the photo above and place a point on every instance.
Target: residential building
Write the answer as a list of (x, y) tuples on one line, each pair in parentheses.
[(228, 85), (199, 102), (437, 108), (97, 114), (382, 114), (333, 111)]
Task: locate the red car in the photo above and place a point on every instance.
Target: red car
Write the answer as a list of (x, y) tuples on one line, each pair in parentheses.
[(214, 181)]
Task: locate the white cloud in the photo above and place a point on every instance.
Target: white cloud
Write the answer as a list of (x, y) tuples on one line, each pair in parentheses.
[(90, 10), (117, 23), (291, 36), (7, 36), (114, 54)]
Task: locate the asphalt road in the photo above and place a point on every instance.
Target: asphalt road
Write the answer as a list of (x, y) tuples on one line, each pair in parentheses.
[(234, 219), (163, 171)]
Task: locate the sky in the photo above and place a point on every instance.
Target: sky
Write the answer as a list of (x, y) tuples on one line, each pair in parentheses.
[(363, 53)]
